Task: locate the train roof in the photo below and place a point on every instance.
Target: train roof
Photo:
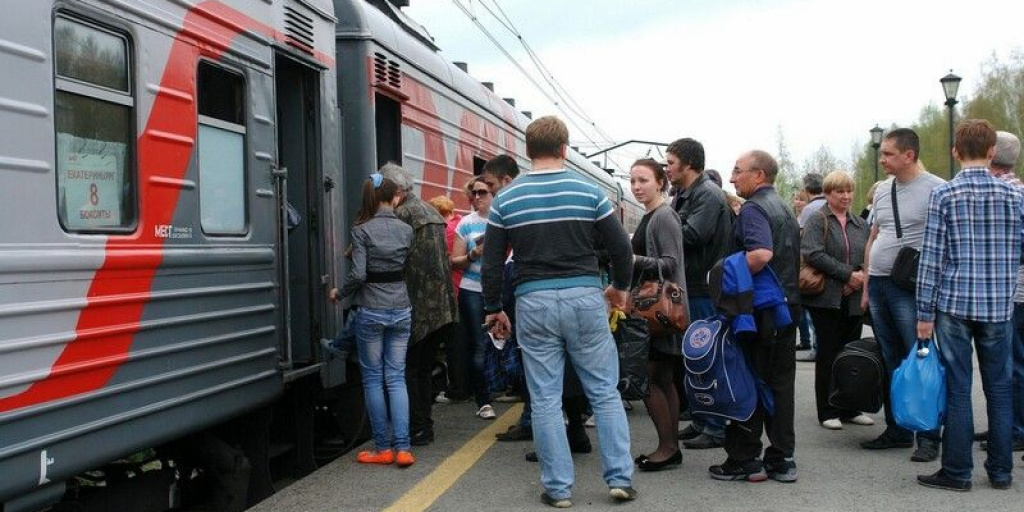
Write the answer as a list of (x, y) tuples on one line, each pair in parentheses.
[(382, 22)]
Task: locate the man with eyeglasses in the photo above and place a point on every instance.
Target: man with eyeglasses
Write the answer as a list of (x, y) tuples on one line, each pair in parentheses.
[(768, 233)]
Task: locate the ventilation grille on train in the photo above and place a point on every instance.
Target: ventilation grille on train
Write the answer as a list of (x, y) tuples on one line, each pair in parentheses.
[(299, 29), (386, 72)]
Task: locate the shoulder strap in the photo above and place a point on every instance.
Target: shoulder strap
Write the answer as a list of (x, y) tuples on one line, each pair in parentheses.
[(896, 210), (824, 218)]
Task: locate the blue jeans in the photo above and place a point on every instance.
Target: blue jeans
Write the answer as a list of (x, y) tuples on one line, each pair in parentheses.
[(1018, 372), (711, 426), (471, 315), (807, 331), (994, 359), (382, 337), (573, 322), (894, 321)]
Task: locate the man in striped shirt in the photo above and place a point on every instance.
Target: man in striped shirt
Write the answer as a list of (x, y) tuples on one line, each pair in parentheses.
[(548, 218), (965, 284)]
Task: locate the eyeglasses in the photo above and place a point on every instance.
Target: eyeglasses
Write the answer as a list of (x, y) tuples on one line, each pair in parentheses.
[(737, 170), (481, 193)]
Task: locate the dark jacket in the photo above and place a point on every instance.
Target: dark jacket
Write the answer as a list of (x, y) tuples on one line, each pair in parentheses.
[(428, 272), (707, 225), (831, 258), (664, 248), (785, 239)]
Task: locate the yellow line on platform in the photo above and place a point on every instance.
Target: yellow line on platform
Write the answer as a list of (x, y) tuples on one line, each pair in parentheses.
[(425, 493)]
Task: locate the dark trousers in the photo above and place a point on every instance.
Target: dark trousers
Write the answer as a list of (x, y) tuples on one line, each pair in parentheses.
[(419, 368), (835, 329), (457, 363), (772, 356)]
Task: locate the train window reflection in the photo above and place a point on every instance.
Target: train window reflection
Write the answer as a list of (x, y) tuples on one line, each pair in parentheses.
[(221, 151), (91, 55), (93, 121)]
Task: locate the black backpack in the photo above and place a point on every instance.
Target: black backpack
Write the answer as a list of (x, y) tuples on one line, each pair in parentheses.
[(857, 377)]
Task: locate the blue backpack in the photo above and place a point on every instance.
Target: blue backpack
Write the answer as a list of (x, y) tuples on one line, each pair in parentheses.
[(718, 381)]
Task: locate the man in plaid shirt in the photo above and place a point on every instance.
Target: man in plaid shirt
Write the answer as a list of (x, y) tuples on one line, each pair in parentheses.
[(965, 286)]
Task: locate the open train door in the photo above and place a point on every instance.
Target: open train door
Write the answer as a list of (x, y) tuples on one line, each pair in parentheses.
[(301, 254)]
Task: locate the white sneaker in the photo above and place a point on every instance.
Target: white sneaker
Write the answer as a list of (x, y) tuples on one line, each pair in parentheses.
[(442, 399), (486, 412), (832, 424), (590, 423), (862, 419)]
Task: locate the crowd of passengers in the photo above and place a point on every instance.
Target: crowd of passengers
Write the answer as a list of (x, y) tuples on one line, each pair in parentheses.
[(515, 295)]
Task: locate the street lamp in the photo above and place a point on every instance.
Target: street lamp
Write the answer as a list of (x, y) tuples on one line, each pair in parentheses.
[(950, 84), (876, 142)]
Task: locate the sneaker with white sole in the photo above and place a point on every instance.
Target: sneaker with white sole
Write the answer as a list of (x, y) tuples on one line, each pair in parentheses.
[(590, 423), (862, 419), (832, 424), (486, 412)]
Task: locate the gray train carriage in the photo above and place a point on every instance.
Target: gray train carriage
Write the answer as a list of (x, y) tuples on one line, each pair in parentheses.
[(427, 114), (149, 287)]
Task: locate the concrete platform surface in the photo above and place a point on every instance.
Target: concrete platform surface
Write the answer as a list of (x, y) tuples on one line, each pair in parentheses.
[(464, 470)]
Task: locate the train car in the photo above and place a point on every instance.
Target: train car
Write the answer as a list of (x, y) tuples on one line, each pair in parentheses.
[(178, 179), (145, 271)]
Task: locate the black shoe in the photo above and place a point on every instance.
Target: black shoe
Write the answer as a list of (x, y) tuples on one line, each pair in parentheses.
[(577, 448), (421, 437), (751, 471), (531, 457), (781, 470), (927, 451), (640, 458), (674, 461), (515, 433), (580, 444), (1002, 485), (981, 436), (939, 480), (803, 346), (623, 493), (555, 502), (1018, 445), (685, 415), (703, 442), (887, 441), (689, 432)]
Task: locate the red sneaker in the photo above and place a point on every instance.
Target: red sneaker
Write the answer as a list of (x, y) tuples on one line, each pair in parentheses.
[(404, 459), (375, 457)]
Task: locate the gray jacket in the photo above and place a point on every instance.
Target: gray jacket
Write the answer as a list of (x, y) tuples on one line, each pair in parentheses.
[(380, 244), (831, 258), (664, 247)]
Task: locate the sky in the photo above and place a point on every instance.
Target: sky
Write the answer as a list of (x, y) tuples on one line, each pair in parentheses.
[(733, 73)]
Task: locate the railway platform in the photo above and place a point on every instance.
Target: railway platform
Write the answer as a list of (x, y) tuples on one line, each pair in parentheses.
[(466, 470)]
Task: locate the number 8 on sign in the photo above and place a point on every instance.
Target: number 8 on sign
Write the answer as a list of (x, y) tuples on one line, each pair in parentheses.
[(94, 194)]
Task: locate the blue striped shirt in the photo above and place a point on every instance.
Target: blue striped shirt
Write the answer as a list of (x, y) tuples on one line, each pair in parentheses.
[(470, 229), (971, 248), (549, 219)]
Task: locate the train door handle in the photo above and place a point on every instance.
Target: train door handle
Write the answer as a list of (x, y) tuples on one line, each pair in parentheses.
[(279, 172)]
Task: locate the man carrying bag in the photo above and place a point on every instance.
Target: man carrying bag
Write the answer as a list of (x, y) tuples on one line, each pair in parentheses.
[(892, 305), (965, 285)]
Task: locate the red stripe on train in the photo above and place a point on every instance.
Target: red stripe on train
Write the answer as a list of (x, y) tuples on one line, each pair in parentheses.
[(105, 332)]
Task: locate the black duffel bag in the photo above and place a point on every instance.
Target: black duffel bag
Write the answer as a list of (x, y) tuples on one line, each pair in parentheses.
[(858, 374)]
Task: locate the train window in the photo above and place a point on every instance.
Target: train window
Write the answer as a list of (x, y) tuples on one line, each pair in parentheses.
[(93, 121), (388, 119), (221, 142)]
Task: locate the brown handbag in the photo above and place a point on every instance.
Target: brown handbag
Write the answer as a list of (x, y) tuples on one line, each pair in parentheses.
[(663, 304), (811, 281)]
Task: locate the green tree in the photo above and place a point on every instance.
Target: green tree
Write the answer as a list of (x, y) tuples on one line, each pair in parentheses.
[(788, 181)]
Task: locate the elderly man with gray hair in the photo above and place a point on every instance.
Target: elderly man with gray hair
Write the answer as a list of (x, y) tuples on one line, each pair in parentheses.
[(1007, 153), (434, 313)]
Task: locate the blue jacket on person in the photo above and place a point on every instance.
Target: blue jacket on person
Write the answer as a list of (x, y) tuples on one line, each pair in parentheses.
[(737, 294)]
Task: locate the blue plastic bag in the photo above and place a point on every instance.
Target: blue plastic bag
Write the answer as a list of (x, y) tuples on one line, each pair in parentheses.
[(919, 389)]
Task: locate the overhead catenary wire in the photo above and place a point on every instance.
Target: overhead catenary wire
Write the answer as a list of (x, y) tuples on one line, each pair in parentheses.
[(562, 105), (546, 73)]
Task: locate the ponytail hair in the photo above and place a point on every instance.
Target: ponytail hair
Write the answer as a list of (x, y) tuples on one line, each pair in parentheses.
[(376, 190)]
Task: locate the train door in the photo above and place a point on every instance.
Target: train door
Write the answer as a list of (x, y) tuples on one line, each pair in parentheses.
[(302, 251)]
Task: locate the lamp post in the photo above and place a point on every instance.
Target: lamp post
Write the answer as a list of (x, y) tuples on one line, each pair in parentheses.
[(950, 84), (876, 142)]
